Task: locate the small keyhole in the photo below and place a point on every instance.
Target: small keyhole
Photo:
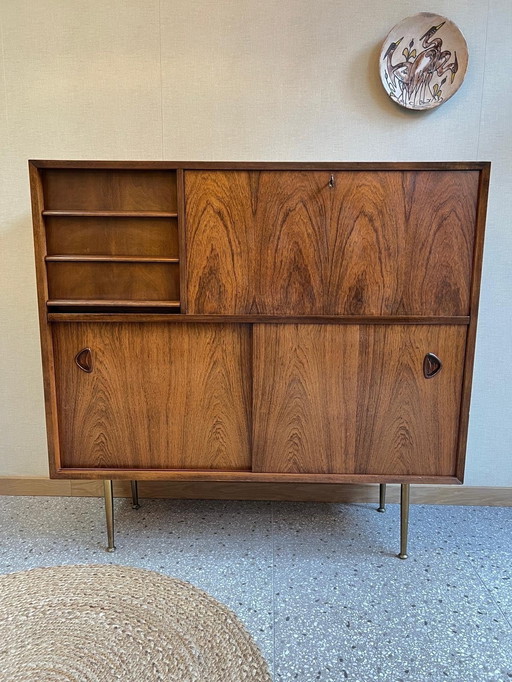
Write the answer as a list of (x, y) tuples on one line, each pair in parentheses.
[(331, 182)]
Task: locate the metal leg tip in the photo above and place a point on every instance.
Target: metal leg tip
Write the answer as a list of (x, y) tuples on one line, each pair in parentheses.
[(402, 556), (111, 549), (135, 506), (381, 510)]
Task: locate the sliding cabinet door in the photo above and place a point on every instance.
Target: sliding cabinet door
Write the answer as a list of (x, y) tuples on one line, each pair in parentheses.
[(153, 396), (348, 399)]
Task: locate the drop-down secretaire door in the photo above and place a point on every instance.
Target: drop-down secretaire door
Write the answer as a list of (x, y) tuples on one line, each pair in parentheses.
[(330, 243)]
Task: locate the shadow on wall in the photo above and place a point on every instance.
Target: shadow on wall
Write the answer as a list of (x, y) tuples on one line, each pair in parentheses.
[(16, 238), (22, 414)]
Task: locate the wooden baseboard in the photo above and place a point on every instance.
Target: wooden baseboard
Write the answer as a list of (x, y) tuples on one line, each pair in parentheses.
[(325, 492)]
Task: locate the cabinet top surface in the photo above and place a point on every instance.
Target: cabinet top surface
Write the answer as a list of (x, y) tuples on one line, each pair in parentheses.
[(266, 165)]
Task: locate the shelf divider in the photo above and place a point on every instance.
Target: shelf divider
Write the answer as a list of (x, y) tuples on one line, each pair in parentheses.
[(68, 303), (108, 214), (108, 259)]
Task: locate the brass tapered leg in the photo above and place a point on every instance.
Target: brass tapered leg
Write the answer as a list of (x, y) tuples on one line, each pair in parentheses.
[(404, 519), (108, 491), (382, 498), (135, 495)]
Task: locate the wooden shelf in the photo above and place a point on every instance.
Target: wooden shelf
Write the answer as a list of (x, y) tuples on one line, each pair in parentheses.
[(109, 259), (69, 303), (109, 214)]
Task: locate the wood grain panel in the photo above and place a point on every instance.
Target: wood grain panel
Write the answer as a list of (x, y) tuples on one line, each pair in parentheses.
[(107, 281), (375, 243), (114, 190), (365, 236), (402, 243), (292, 224), (305, 398), (112, 236), (157, 398), (353, 399), (407, 424), (220, 246), (440, 237)]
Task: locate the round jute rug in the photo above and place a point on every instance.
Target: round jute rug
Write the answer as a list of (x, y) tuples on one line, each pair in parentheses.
[(100, 623)]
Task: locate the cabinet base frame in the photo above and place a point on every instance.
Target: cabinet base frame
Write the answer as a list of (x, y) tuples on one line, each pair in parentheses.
[(219, 476)]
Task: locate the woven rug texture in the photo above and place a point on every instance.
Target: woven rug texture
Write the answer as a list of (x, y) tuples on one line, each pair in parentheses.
[(98, 623)]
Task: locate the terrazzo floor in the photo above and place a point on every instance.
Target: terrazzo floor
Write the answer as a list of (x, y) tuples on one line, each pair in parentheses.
[(317, 585)]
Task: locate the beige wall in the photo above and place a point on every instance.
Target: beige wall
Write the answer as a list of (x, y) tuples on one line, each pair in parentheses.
[(234, 80)]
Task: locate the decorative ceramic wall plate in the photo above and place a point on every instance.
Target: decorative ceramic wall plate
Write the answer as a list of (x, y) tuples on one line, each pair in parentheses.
[(423, 61)]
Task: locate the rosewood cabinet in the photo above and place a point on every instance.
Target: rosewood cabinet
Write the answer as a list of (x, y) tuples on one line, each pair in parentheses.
[(258, 322)]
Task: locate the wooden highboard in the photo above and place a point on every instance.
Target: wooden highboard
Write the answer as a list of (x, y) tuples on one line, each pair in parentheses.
[(266, 322)]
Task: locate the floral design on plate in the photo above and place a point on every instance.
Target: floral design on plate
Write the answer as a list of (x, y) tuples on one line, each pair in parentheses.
[(423, 61)]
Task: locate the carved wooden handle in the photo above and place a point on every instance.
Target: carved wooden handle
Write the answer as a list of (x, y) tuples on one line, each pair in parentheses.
[(432, 365), (83, 360)]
